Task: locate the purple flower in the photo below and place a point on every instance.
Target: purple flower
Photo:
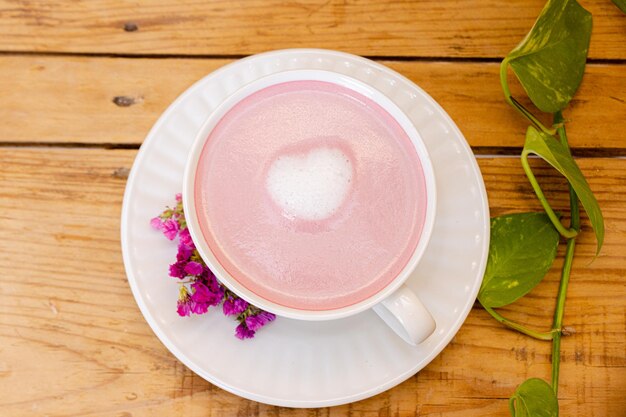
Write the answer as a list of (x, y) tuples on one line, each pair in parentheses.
[(156, 223), (234, 306), (184, 252), (208, 275), (194, 268), (185, 238), (199, 308), (203, 295), (202, 288), (183, 307), (259, 320), (177, 270), (211, 281), (170, 228), (242, 332)]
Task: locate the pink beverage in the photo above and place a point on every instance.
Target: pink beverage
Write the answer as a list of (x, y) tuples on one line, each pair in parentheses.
[(310, 195)]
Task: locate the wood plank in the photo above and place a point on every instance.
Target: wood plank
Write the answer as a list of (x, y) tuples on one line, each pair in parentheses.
[(73, 342), (447, 28), (71, 99)]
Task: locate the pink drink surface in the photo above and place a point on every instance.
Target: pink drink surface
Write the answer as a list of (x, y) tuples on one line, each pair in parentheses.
[(310, 195)]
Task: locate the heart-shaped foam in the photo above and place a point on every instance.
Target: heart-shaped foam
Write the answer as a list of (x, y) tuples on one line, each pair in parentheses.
[(311, 185)]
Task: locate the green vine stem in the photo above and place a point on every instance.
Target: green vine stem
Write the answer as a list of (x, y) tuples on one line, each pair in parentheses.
[(557, 323), (554, 218), (558, 314), (516, 326), (516, 104)]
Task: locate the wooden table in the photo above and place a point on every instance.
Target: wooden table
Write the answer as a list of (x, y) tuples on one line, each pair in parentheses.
[(81, 82)]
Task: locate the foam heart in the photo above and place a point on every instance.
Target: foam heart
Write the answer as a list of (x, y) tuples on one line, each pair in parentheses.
[(310, 186)]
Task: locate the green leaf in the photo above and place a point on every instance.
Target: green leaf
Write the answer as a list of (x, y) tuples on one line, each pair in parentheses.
[(534, 398), (621, 4), (558, 155), (550, 61), (521, 251)]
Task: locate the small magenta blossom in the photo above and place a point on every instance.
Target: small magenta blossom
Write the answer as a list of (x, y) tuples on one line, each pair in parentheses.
[(177, 270), (211, 281), (259, 320), (170, 228), (234, 306), (199, 308), (194, 268), (156, 223), (199, 287), (183, 308), (242, 332), (184, 252), (203, 295), (184, 304), (185, 238)]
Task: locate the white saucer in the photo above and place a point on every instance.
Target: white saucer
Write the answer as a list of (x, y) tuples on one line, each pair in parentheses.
[(293, 363)]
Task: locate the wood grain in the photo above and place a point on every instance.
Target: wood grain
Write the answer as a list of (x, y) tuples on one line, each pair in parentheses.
[(117, 100), (73, 342), (446, 28)]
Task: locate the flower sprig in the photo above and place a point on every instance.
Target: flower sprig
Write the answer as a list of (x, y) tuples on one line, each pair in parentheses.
[(199, 287)]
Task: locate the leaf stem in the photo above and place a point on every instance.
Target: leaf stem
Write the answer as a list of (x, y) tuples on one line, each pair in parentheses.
[(559, 311), (516, 104), (573, 198), (566, 233), (557, 324), (516, 326)]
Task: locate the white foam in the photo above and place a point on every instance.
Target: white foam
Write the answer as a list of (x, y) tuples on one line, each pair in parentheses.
[(310, 186)]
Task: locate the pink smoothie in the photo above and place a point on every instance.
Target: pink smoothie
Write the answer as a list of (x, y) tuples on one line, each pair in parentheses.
[(310, 195)]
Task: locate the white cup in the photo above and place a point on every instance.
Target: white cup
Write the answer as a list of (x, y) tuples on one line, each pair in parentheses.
[(396, 304)]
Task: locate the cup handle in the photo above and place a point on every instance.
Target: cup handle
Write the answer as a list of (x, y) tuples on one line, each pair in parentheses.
[(406, 315)]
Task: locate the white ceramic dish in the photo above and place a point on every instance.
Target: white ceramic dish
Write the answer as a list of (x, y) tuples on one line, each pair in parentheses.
[(291, 362)]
